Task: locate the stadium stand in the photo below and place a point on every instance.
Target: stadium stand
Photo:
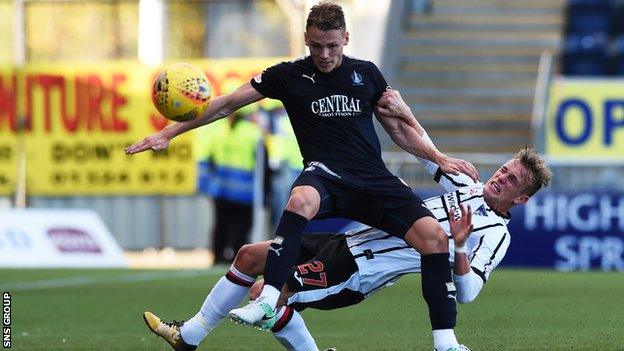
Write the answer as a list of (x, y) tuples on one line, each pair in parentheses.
[(468, 68), (593, 44), (586, 54), (617, 58), (617, 48), (587, 17)]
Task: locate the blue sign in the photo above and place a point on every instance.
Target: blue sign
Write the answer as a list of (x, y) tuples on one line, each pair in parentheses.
[(568, 232)]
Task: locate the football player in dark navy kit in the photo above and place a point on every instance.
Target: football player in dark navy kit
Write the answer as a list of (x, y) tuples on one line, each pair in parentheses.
[(330, 99)]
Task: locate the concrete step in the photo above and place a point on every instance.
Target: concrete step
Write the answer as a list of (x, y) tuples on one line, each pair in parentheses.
[(475, 124), (452, 108), (489, 143), (492, 10), (472, 51), (470, 100), (458, 60), (466, 91), (453, 76), (446, 67), (457, 131), (553, 18), (468, 69), (430, 42), (483, 34), (472, 116), (525, 84), (419, 24), (525, 4)]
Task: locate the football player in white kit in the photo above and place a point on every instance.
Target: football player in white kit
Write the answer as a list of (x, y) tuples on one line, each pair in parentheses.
[(335, 271)]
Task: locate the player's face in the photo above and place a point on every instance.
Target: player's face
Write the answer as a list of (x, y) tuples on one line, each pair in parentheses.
[(506, 187), (326, 47)]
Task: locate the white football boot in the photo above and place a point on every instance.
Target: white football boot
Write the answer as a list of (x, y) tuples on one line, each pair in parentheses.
[(256, 313)]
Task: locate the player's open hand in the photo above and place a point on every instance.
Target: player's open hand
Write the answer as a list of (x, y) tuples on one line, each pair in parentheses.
[(156, 141), (461, 227), (455, 166)]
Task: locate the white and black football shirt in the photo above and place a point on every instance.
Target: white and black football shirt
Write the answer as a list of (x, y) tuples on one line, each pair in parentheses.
[(382, 258)]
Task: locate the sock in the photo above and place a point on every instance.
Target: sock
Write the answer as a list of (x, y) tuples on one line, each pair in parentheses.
[(443, 339), (290, 330), (227, 294), (284, 249), (438, 290), (194, 330), (269, 295)]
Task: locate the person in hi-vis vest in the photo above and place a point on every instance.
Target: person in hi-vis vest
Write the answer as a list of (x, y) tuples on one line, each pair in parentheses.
[(285, 161), (227, 160)]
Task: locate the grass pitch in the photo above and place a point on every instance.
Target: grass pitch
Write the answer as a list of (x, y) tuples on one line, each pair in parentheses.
[(518, 310)]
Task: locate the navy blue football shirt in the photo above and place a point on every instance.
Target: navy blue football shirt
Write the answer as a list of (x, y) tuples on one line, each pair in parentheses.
[(331, 113)]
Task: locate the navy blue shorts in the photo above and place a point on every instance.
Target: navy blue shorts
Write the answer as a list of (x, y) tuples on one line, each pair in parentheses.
[(382, 202), (324, 261)]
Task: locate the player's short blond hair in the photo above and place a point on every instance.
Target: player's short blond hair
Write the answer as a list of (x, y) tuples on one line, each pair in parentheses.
[(326, 16), (539, 172)]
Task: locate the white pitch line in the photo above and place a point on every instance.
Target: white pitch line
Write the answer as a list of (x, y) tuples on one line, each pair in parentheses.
[(90, 280)]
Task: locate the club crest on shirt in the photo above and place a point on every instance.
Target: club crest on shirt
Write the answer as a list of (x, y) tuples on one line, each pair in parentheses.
[(481, 211), (356, 78)]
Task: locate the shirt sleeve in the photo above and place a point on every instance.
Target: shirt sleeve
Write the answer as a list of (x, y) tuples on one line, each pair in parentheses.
[(379, 83), (272, 82), (449, 182), (489, 253), (468, 286)]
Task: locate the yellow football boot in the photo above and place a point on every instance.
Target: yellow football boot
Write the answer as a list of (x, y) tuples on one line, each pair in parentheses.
[(170, 331)]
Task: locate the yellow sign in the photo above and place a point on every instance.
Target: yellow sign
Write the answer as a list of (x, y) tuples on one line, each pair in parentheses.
[(586, 119), (70, 122), (9, 146)]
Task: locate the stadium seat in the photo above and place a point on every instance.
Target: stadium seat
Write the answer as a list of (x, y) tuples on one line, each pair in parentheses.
[(618, 18), (586, 55), (586, 17), (617, 56)]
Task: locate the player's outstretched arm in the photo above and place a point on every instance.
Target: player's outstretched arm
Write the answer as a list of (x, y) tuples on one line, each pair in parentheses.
[(220, 107), (399, 121)]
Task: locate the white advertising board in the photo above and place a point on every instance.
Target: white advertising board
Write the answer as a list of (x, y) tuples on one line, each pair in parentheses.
[(40, 238)]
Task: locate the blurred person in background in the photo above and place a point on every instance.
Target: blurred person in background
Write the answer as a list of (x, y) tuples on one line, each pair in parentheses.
[(227, 163), (284, 157)]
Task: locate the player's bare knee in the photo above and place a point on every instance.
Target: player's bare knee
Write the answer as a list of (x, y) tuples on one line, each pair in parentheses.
[(296, 203), (435, 240), (427, 237), (246, 260), (302, 205)]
